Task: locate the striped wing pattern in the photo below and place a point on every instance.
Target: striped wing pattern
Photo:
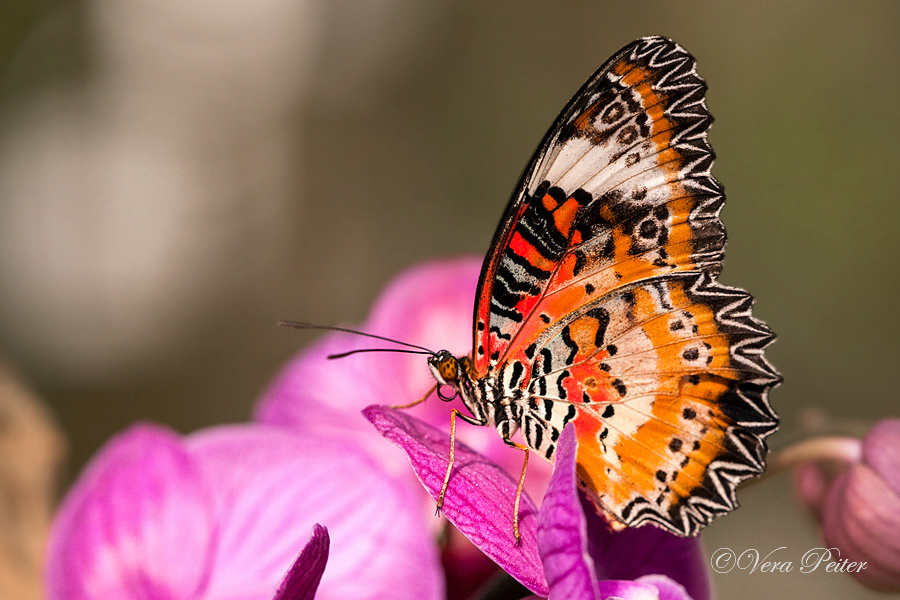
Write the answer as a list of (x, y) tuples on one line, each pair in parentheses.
[(599, 302)]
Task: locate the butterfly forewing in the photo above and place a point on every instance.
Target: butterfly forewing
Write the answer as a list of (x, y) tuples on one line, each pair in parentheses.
[(599, 295)]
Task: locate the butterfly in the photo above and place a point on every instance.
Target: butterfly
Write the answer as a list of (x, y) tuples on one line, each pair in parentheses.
[(598, 305)]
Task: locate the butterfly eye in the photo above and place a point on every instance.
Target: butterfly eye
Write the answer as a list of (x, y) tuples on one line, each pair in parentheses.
[(446, 397), (449, 369)]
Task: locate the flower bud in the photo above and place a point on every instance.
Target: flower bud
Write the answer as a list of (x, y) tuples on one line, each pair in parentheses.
[(860, 508)]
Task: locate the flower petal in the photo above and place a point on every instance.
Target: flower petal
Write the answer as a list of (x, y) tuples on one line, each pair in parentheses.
[(613, 589), (429, 305), (668, 588), (861, 519), (272, 485), (479, 499), (137, 524), (302, 580), (321, 398), (810, 486), (647, 550), (648, 587), (881, 451), (562, 530)]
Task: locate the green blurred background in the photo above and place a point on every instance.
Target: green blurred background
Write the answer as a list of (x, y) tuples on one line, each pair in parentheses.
[(176, 177)]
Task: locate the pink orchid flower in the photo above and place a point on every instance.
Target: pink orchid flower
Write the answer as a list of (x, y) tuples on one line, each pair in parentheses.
[(221, 515), (566, 551)]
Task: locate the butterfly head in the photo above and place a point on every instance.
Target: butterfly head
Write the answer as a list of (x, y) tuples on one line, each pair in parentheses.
[(449, 372)]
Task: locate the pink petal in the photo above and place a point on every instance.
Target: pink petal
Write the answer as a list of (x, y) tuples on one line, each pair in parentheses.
[(302, 580), (429, 305), (881, 451), (137, 524), (810, 486), (273, 485), (321, 398), (668, 588), (861, 519), (627, 590), (479, 499), (562, 531)]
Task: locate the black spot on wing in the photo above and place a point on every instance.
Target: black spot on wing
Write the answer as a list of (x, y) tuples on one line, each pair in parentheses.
[(570, 344), (517, 371), (530, 270), (506, 313), (561, 390), (500, 335), (548, 409), (538, 228), (546, 361)]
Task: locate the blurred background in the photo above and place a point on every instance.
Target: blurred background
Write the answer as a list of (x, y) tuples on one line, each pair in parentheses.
[(176, 177)]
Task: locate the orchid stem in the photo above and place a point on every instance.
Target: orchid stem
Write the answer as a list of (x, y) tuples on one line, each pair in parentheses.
[(820, 449)]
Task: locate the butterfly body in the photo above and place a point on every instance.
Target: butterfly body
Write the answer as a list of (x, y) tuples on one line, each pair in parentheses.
[(598, 305)]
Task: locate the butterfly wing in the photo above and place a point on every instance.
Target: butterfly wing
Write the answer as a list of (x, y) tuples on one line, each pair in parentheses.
[(665, 383), (599, 299)]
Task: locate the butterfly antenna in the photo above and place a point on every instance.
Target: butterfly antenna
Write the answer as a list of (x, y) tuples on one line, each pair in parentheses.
[(301, 325), (349, 352)]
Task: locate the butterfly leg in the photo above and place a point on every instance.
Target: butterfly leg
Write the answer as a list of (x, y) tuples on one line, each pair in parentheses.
[(417, 402), (472, 421), (527, 451)]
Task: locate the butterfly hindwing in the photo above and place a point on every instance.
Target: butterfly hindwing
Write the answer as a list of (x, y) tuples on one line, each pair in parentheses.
[(666, 394), (598, 300)]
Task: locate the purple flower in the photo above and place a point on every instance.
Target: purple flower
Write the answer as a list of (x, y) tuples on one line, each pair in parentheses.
[(562, 553), (859, 508), (222, 514)]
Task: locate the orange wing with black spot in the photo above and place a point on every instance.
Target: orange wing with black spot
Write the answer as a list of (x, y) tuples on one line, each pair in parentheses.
[(600, 286)]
